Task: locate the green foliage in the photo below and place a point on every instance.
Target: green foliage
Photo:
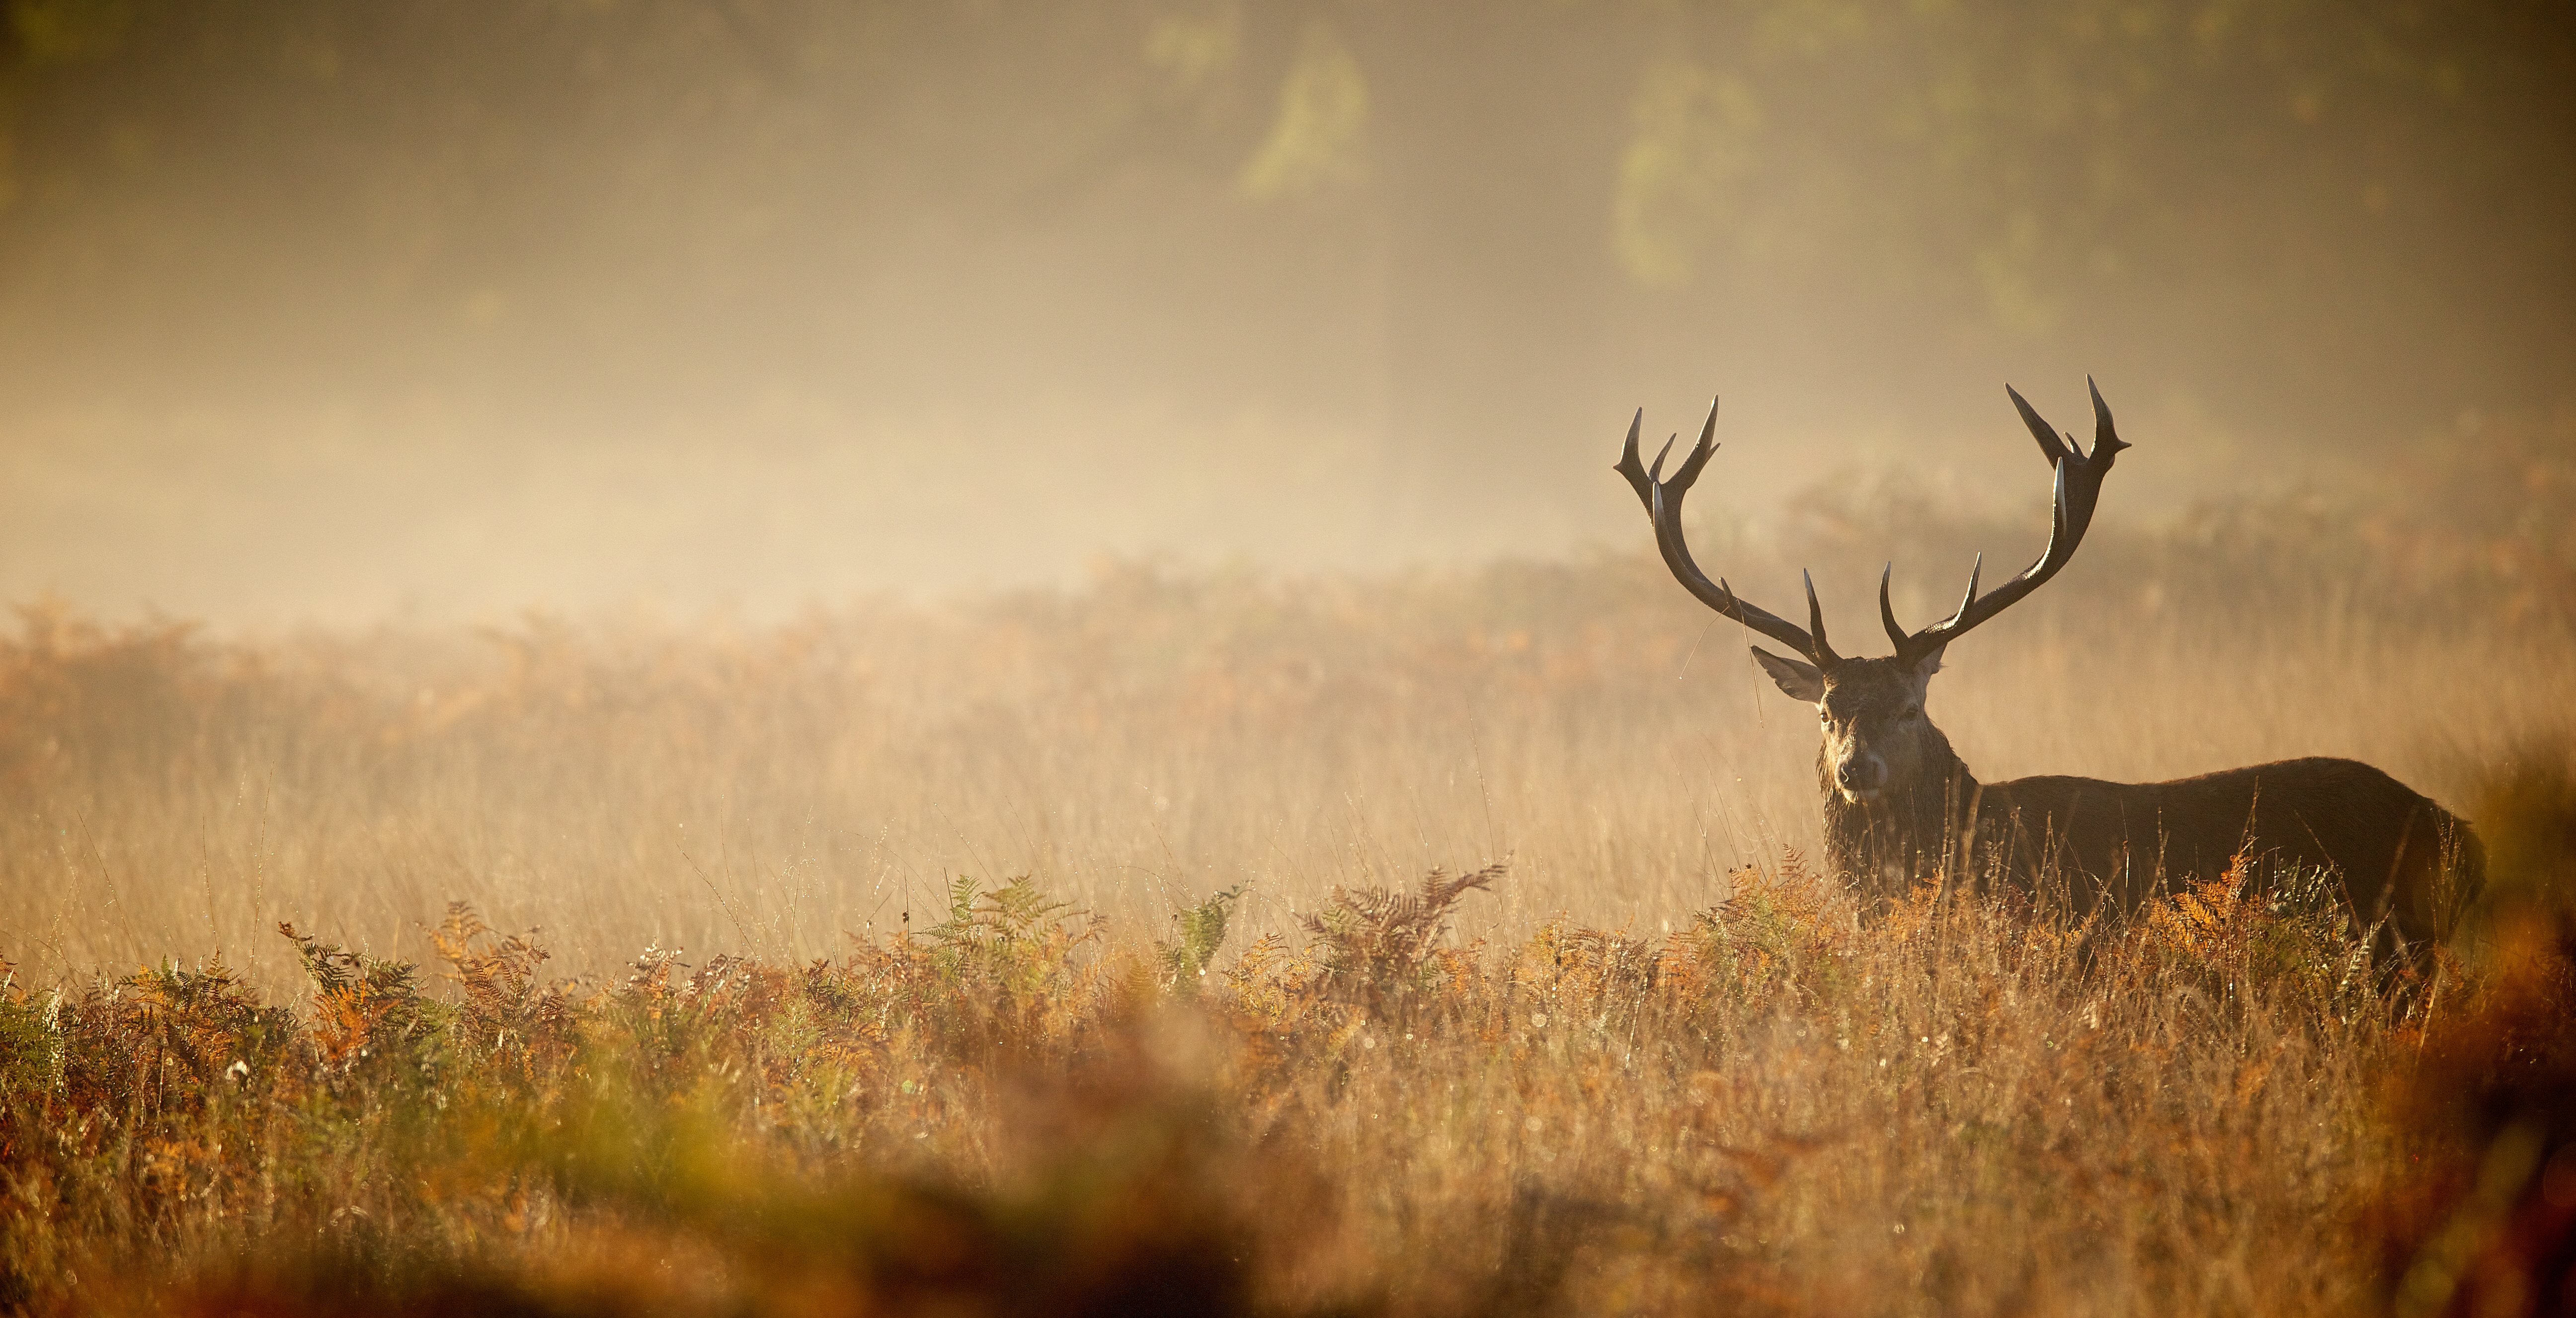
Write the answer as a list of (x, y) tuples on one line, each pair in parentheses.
[(1202, 930), (30, 1050), (205, 1021), (1015, 939), (369, 1011), (1004, 972)]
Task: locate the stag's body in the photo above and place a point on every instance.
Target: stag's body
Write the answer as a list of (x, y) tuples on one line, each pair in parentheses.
[(1900, 806), (2095, 848)]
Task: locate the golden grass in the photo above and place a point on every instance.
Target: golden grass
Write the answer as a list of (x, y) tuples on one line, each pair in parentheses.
[(1134, 747)]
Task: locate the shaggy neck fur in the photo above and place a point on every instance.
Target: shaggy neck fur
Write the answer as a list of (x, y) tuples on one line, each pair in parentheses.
[(1882, 847)]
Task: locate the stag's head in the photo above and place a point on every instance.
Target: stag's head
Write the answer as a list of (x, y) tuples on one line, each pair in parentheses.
[(1872, 715), (1876, 737)]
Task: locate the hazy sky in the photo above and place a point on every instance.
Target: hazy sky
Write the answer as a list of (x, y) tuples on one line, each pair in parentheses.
[(317, 309)]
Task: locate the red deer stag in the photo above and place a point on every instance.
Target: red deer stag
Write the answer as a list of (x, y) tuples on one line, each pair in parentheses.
[(1899, 802)]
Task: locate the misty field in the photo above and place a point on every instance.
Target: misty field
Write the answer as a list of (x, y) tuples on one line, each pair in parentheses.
[(1207, 942)]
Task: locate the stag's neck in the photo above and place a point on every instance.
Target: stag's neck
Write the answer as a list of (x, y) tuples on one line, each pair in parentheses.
[(1881, 847)]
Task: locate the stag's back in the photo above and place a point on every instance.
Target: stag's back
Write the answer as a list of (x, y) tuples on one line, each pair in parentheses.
[(2396, 853)]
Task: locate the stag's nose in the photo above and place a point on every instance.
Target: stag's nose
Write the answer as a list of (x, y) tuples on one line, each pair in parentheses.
[(1861, 773)]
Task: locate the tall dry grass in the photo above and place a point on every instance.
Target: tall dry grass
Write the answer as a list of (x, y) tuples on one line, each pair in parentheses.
[(1139, 743), (1134, 749)]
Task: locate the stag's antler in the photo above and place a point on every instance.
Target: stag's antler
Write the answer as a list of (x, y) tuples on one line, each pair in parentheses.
[(1663, 500), (2077, 488)]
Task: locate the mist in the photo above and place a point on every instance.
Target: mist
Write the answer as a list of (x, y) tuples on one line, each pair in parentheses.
[(330, 312)]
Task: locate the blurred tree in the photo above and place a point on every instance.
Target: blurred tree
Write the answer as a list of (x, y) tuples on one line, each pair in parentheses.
[(2320, 169), (2041, 151), (1460, 208)]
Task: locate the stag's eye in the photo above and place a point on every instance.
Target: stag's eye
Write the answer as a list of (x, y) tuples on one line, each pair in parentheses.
[(1909, 716)]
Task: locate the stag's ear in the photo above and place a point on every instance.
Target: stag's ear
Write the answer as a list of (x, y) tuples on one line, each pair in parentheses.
[(1926, 666), (1803, 681)]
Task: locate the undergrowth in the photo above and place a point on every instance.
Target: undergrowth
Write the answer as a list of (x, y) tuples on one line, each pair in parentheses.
[(1768, 1110)]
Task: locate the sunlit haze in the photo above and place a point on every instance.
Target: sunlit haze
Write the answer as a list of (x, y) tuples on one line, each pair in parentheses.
[(338, 312)]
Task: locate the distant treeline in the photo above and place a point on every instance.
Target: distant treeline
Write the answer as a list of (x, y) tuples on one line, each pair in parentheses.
[(1469, 223)]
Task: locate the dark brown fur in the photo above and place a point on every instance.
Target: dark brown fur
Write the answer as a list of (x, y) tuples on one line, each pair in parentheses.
[(2108, 848)]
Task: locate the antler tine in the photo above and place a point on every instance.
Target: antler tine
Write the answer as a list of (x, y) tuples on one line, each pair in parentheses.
[(2103, 433), (1887, 613), (2073, 493), (1911, 649), (1628, 466), (1700, 452), (2106, 442), (1824, 651), (1663, 501), (2050, 446)]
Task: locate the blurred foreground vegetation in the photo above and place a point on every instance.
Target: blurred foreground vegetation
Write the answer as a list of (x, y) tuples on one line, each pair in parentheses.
[(2218, 1112)]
